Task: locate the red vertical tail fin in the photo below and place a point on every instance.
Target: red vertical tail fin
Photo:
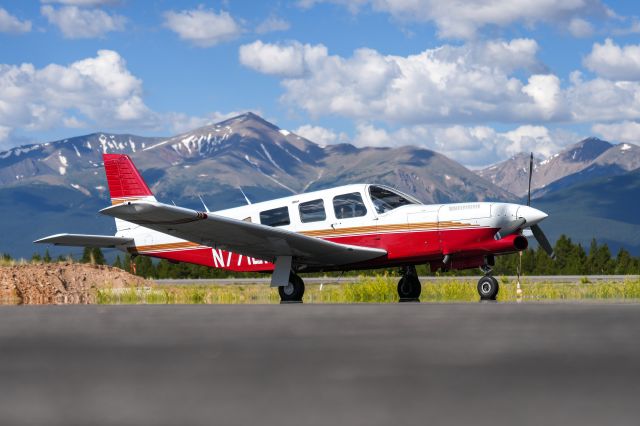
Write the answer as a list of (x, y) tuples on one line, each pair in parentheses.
[(124, 180)]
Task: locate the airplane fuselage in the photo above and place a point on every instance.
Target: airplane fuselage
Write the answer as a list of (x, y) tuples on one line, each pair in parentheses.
[(461, 234)]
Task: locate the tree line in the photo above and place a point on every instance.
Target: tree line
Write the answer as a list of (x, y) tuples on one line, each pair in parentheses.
[(571, 259)]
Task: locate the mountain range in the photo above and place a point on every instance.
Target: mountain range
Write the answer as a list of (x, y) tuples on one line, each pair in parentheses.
[(59, 186)]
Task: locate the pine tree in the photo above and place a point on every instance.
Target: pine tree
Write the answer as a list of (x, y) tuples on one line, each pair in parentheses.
[(86, 256), (47, 256), (98, 257), (117, 263)]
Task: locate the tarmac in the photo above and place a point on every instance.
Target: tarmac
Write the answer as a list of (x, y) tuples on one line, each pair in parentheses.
[(392, 364)]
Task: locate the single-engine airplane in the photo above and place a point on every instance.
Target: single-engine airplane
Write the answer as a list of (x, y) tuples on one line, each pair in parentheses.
[(349, 227)]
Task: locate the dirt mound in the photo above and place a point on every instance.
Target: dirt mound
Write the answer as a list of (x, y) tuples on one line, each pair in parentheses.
[(59, 283)]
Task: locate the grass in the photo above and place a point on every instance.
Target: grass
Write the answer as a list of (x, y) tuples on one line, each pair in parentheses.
[(380, 289)]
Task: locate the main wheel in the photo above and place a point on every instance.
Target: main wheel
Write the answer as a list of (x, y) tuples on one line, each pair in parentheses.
[(488, 288), (409, 287), (293, 291)]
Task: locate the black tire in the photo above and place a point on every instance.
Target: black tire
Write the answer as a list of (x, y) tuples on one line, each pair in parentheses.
[(488, 288), (294, 291), (409, 287)]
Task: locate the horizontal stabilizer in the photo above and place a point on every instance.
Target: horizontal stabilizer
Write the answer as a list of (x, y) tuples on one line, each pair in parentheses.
[(83, 240)]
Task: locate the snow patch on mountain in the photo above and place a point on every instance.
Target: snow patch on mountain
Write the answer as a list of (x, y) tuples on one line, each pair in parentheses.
[(270, 158)]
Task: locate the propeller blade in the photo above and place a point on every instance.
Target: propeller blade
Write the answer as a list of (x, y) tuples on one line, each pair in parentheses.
[(530, 175), (542, 240), (510, 228)]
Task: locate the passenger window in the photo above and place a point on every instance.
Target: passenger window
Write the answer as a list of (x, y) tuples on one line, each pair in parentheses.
[(349, 205), (312, 211), (275, 217)]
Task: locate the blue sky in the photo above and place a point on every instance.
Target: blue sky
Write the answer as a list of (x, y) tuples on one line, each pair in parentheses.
[(476, 80)]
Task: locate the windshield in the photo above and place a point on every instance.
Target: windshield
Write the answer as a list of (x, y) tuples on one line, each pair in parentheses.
[(386, 199)]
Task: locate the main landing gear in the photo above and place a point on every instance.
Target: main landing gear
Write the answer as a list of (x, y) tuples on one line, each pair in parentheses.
[(488, 286), (409, 286), (292, 292)]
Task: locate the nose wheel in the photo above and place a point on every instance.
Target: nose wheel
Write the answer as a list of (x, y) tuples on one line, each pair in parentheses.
[(409, 287), (488, 288)]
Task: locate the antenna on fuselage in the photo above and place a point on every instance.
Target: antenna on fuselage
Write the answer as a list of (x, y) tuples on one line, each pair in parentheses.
[(206, 209), (244, 195)]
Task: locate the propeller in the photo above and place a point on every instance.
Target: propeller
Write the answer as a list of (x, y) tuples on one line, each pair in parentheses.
[(537, 231), (510, 228), (542, 240)]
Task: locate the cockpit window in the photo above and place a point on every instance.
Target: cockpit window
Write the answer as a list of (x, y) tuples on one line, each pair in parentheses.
[(349, 205), (384, 199)]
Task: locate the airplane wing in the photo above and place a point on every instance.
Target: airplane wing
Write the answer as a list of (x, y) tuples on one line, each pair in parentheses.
[(246, 238), (83, 240)]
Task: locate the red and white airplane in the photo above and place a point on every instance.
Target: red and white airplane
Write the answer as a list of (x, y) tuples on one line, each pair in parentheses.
[(349, 227)]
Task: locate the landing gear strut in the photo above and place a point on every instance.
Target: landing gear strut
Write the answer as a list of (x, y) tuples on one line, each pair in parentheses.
[(293, 291), (488, 286), (409, 286)]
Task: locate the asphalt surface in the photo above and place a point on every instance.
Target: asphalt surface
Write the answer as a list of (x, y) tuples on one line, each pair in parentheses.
[(404, 364)]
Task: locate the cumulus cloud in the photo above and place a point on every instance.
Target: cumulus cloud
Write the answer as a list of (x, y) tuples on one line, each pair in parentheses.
[(203, 28), (500, 81), (614, 62), (284, 60), (11, 24), (473, 82), (272, 24), (75, 22), (98, 90), (463, 18), (320, 135), (473, 146), (625, 131)]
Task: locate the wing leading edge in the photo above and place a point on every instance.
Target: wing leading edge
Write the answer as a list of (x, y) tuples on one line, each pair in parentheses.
[(246, 238)]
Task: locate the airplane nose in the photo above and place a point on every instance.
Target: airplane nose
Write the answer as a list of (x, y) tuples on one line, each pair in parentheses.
[(531, 215)]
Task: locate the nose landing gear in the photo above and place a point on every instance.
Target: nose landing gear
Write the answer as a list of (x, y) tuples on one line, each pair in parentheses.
[(488, 286), (409, 287)]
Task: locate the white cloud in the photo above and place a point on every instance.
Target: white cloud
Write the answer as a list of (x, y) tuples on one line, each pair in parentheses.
[(625, 131), (75, 22), (203, 28), (11, 24), (579, 27), (614, 62), (545, 91), (474, 146), (272, 24), (99, 91), (285, 60), (463, 18), (473, 82), (320, 135), (603, 100)]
